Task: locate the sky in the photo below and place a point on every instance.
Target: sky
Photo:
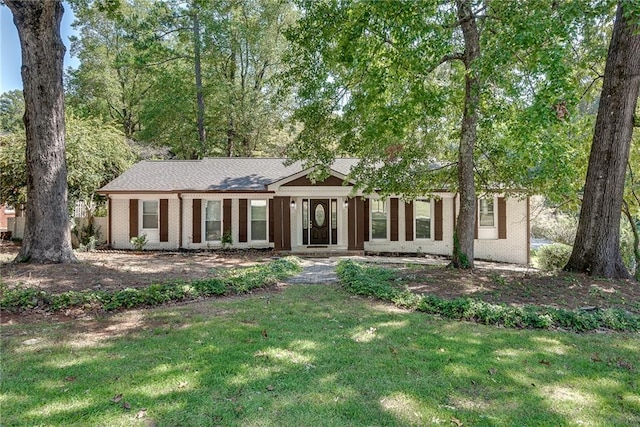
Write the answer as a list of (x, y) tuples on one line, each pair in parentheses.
[(10, 56)]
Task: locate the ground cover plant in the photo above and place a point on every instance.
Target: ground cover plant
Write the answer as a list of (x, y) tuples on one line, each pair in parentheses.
[(310, 355), (225, 282), (385, 284)]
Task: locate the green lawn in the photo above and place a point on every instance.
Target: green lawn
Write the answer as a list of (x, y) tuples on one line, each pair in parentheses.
[(311, 355)]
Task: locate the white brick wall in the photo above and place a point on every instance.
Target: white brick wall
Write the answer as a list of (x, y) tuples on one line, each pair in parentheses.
[(120, 222), (513, 249)]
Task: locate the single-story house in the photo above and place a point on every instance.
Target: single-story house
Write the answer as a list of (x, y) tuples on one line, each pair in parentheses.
[(265, 203)]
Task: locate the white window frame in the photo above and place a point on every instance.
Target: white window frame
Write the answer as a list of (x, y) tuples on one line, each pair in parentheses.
[(415, 220), (250, 220), (387, 221), (157, 227), (495, 219), (204, 220)]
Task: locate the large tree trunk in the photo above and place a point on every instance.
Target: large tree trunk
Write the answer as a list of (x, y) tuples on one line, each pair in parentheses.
[(202, 135), (465, 226), (47, 234), (597, 247)]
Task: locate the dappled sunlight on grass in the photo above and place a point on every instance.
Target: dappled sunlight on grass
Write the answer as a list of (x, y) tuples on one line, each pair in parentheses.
[(406, 408), (313, 356), (363, 335), (59, 406), (284, 355), (570, 402), (550, 345)]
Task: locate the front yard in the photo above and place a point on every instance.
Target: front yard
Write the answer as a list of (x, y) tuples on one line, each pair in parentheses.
[(309, 354)]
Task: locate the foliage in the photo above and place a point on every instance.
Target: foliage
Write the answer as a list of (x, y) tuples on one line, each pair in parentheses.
[(375, 282), (11, 111), (86, 232), (559, 228), (138, 68), (96, 154), (553, 257), (381, 81), (227, 239), (236, 281), (139, 242)]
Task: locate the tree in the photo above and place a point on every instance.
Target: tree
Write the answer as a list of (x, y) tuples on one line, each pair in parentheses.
[(197, 76), (96, 153), (11, 111), (597, 247), (419, 91), (47, 237)]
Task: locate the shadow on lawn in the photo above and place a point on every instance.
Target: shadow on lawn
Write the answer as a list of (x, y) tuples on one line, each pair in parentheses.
[(313, 355)]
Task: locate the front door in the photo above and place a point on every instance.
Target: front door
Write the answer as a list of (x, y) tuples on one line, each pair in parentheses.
[(320, 216)]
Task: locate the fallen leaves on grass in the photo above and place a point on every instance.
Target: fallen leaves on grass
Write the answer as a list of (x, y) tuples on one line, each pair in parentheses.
[(141, 413), (70, 379), (270, 387), (457, 422), (545, 362), (117, 398)]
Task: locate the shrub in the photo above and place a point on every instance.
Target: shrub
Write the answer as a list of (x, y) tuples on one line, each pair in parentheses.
[(238, 281), (139, 242), (553, 257), (377, 282)]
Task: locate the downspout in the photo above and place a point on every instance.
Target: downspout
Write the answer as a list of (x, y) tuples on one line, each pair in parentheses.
[(528, 231), (179, 221)]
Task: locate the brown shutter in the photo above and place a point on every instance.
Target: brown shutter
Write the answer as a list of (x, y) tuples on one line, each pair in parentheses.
[(502, 218), (355, 224), (282, 223), (196, 228), (226, 216), (475, 231), (437, 219), (164, 220), (408, 221), (365, 215), (394, 219), (271, 239), (133, 218), (242, 221)]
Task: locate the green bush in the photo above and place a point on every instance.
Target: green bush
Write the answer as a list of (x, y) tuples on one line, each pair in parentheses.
[(377, 282), (553, 257), (238, 281)]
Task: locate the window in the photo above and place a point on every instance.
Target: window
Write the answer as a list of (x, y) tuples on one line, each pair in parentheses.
[(149, 214), (258, 220), (213, 220), (378, 219), (486, 213), (423, 219)]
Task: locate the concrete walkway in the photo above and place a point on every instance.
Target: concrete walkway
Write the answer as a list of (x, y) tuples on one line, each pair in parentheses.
[(316, 271), (323, 270)]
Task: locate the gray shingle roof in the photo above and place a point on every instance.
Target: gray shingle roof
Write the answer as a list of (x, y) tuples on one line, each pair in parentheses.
[(210, 174)]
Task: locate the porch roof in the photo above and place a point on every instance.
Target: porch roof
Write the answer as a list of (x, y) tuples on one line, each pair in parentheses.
[(210, 174)]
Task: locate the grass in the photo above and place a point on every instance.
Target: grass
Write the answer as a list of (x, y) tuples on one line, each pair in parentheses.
[(311, 355)]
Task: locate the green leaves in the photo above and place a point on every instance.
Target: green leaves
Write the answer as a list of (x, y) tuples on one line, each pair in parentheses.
[(96, 154)]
